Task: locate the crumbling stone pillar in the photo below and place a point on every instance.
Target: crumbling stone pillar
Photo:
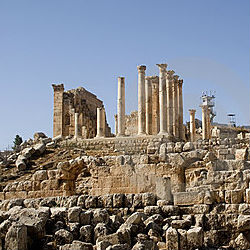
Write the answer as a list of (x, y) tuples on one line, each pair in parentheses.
[(208, 123), (58, 116), (204, 122), (169, 84), (175, 107), (180, 107), (100, 122), (76, 125), (148, 92), (162, 98), (116, 125), (192, 124), (141, 100), (121, 107), (155, 105)]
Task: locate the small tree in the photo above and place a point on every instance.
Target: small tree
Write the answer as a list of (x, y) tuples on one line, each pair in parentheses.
[(17, 142)]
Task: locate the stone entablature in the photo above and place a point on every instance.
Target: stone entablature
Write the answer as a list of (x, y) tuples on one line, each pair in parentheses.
[(75, 113)]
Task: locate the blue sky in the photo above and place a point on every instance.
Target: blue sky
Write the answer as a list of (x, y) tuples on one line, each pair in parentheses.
[(91, 43)]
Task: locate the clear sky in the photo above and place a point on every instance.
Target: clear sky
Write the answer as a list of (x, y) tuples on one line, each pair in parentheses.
[(91, 43)]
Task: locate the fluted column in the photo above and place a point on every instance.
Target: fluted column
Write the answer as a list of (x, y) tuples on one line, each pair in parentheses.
[(175, 107), (121, 107), (76, 125), (192, 124), (162, 98), (208, 121), (155, 105), (141, 100), (100, 122), (180, 107), (169, 84), (148, 92), (204, 122)]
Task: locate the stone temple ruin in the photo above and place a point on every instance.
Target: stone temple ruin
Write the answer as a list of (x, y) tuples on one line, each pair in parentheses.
[(155, 184)]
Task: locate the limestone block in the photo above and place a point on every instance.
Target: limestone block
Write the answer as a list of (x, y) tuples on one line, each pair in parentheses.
[(86, 233), (77, 245), (148, 199), (170, 147), (163, 152), (242, 242), (248, 196), (243, 222), (28, 152), (118, 200), (241, 154), (39, 148), (63, 237), (188, 146), (178, 147), (186, 198), (16, 237), (100, 216), (74, 214), (236, 196), (182, 239), (195, 237), (172, 239), (85, 217), (39, 135), (21, 163), (40, 175)]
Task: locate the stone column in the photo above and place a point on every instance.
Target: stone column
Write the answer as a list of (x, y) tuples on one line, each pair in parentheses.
[(175, 107), (162, 98), (155, 105), (208, 124), (204, 122), (169, 84), (192, 124), (180, 107), (116, 125), (141, 100), (100, 122), (148, 92), (121, 107), (76, 125), (58, 115)]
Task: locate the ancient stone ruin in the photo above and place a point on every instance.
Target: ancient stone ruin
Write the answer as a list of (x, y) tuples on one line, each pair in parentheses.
[(156, 184)]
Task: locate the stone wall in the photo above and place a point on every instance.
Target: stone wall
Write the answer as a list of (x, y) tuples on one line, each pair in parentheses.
[(76, 101)]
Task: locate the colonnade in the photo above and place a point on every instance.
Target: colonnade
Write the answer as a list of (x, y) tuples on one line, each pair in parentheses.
[(160, 103)]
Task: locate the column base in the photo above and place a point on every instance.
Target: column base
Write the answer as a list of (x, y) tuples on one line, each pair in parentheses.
[(141, 134), (120, 135)]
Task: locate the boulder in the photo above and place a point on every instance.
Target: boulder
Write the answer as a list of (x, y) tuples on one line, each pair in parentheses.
[(100, 216), (16, 237), (85, 217), (172, 239), (74, 214), (241, 242), (188, 146), (39, 148), (86, 233), (63, 237), (77, 245), (148, 199), (195, 237), (118, 200), (21, 163), (39, 135)]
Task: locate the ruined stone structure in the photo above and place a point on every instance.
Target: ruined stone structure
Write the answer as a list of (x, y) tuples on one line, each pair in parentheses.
[(160, 105), (75, 113), (146, 188)]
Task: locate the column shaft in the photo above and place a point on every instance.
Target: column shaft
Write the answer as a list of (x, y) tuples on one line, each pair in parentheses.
[(175, 108), (180, 106), (169, 83), (148, 92), (208, 124), (121, 107), (162, 98), (100, 122), (192, 124), (155, 105), (204, 122), (141, 100), (76, 125)]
